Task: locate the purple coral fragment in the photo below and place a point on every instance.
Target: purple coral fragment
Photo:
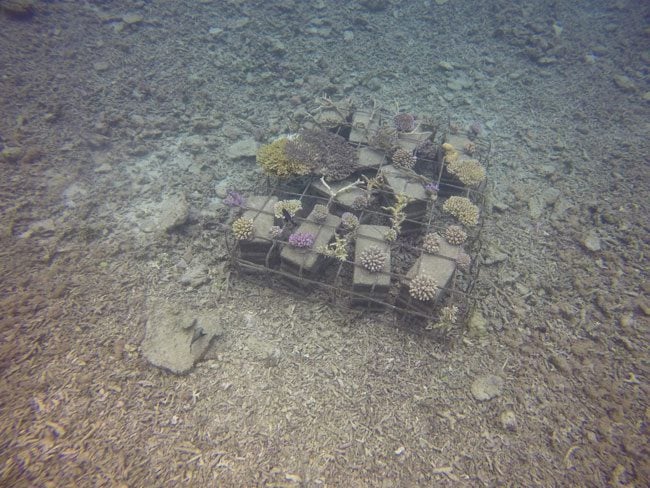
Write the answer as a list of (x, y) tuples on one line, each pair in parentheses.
[(302, 239), (234, 199), (433, 187)]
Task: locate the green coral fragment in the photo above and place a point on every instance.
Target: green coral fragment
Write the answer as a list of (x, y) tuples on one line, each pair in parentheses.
[(397, 214), (337, 249)]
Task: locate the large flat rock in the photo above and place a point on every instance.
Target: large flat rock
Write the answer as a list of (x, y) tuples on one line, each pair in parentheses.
[(176, 338)]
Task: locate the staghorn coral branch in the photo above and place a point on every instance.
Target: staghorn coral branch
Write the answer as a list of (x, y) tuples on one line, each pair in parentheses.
[(333, 194)]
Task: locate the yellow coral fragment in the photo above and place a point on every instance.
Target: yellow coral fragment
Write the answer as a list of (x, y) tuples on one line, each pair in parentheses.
[(463, 209), (291, 206), (337, 249), (243, 228), (451, 154), (469, 171), (274, 160)]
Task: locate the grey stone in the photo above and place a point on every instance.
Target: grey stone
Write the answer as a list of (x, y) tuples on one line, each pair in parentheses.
[(487, 387), (244, 148), (547, 169), (560, 207), (460, 83), (624, 83), (215, 31), (539, 202), (560, 363), (174, 212), (132, 18), (508, 420), (477, 325), (103, 168), (101, 66), (591, 241), (549, 196), (195, 276), (263, 350), (10, 154), (446, 65), (40, 228)]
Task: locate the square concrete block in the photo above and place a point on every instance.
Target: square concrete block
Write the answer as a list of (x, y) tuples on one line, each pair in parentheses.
[(410, 141), (345, 199), (403, 182), (308, 262), (260, 211), (363, 124), (440, 268), (369, 158), (373, 285), (447, 250), (459, 141)]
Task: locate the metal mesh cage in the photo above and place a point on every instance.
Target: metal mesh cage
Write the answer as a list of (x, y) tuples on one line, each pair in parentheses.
[(380, 205)]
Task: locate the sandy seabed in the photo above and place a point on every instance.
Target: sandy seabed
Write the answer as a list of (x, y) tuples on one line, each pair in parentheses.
[(110, 109)]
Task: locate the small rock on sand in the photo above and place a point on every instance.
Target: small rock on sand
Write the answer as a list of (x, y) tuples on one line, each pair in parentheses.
[(487, 387)]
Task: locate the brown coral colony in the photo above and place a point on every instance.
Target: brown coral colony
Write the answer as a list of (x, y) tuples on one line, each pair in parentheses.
[(403, 159), (404, 122)]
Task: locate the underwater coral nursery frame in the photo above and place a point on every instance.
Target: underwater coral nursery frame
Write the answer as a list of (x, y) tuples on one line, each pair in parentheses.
[(339, 276)]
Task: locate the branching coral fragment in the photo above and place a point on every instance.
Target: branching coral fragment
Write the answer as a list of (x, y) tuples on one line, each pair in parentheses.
[(337, 249), (398, 216)]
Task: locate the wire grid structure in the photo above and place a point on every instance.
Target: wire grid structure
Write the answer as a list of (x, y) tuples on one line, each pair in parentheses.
[(317, 269)]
